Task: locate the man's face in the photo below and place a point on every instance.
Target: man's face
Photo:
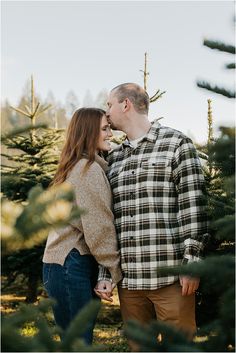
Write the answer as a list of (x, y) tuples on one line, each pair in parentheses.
[(114, 112)]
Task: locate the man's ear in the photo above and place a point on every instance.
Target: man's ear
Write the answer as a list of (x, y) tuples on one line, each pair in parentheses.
[(126, 105)]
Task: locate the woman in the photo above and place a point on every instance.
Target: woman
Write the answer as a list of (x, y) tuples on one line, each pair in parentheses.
[(72, 253)]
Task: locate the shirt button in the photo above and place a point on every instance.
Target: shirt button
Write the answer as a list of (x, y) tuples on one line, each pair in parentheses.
[(132, 172), (131, 238)]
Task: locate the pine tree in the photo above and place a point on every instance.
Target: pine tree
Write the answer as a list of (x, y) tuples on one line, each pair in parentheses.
[(158, 93), (33, 163)]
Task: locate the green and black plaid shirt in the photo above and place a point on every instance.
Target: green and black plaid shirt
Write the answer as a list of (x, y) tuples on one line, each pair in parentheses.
[(159, 207)]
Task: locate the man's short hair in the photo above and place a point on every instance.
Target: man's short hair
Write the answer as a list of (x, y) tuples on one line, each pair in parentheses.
[(136, 94)]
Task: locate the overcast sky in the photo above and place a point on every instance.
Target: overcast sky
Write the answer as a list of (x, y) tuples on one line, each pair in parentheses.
[(96, 45)]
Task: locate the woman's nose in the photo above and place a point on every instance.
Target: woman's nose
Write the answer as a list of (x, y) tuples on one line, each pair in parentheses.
[(109, 133)]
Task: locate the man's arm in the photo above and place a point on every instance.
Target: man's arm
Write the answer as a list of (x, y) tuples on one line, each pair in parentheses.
[(192, 216)]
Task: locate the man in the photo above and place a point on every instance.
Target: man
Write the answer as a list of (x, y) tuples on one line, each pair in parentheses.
[(157, 186)]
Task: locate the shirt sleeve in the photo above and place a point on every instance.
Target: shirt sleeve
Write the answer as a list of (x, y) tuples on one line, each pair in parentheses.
[(92, 195), (104, 274), (192, 213)]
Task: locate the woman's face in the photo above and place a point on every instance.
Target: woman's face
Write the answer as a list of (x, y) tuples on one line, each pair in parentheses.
[(104, 136)]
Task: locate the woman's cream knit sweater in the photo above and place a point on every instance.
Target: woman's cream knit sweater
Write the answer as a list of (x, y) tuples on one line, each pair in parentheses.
[(94, 232)]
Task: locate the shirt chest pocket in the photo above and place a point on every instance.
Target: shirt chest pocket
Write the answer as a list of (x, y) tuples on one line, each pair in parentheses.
[(156, 164), (156, 170)]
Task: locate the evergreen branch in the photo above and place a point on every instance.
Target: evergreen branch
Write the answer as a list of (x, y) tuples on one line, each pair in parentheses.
[(20, 111), (219, 90), (225, 228), (49, 106), (204, 270), (35, 111), (3, 166), (230, 66), (148, 339), (10, 158), (79, 325), (28, 109), (21, 130), (156, 96), (227, 48)]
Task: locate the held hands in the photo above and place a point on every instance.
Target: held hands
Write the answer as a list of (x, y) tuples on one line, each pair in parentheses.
[(104, 290), (189, 284)]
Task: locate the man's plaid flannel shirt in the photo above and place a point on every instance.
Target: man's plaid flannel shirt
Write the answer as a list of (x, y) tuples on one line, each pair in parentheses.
[(159, 206)]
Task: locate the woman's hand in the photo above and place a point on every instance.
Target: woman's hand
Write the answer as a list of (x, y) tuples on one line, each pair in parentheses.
[(104, 290)]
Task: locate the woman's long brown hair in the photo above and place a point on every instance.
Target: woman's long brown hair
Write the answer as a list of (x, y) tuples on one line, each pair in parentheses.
[(82, 138)]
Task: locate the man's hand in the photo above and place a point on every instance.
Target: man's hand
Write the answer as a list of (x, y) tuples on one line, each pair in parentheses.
[(189, 284), (104, 289)]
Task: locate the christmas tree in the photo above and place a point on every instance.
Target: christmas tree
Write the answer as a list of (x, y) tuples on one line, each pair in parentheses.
[(34, 162)]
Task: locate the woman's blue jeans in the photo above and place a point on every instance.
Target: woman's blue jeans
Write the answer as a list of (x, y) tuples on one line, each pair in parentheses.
[(71, 285)]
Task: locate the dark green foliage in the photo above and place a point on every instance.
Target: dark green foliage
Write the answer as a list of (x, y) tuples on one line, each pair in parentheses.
[(222, 153), (230, 66), (226, 48), (219, 90), (44, 338), (35, 163), (171, 340)]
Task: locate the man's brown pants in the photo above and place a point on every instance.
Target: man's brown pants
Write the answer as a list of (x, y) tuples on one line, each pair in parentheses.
[(166, 304)]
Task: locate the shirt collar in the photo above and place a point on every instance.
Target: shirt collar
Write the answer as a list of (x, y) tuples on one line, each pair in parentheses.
[(150, 136), (153, 132)]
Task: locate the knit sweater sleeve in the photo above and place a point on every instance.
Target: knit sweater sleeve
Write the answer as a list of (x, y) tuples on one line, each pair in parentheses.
[(94, 197)]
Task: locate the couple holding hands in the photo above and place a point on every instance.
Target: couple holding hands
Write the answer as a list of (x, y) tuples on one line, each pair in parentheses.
[(144, 210)]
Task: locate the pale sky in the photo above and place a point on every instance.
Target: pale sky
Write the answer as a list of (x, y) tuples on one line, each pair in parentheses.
[(96, 45)]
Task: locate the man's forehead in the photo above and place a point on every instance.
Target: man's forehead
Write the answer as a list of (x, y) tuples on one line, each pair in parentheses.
[(110, 97)]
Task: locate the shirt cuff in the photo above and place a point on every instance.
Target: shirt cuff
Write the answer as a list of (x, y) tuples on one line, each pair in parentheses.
[(104, 274)]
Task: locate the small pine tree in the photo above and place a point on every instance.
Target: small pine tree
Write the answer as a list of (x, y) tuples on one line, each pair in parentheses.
[(34, 163), (158, 93)]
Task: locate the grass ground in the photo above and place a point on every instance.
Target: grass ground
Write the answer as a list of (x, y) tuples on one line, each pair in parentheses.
[(108, 329)]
